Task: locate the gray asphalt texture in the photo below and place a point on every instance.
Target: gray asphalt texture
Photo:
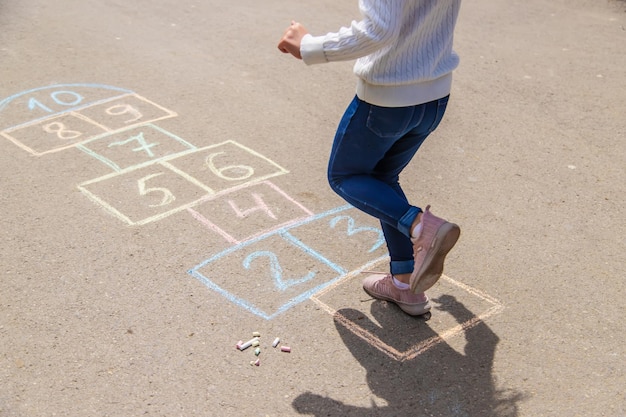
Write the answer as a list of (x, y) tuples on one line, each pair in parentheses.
[(164, 195)]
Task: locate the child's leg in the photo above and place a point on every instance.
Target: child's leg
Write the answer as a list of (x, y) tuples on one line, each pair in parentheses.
[(358, 149), (372, 146)]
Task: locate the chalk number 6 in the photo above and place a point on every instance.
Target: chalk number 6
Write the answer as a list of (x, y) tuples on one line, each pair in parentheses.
[(238, 172)]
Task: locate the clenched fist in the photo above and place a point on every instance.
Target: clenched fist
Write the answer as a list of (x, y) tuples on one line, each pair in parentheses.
[(291, 40)]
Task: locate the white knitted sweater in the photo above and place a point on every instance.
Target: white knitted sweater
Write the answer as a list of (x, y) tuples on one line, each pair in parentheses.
[(403, 50)]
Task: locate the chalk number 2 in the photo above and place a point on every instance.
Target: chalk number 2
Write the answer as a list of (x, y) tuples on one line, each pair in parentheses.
[(276, 271)]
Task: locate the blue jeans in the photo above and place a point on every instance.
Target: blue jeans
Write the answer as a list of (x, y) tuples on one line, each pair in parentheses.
[(372, 146)]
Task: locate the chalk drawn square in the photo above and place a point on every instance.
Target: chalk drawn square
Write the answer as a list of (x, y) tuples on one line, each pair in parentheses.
[(144, 195), (227, 165), (41, 103), (245, 213), (346, 236), (53, 134), (266, 276), (135, 147), (126, 111), (402, 337)]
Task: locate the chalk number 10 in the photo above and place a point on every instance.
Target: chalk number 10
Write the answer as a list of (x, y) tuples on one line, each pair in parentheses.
[(62, 98)]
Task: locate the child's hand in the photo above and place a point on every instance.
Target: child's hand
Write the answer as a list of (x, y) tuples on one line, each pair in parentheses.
[(290, 42)]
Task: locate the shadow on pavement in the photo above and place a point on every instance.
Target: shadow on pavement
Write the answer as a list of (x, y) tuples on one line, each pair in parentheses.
[(438, 382)]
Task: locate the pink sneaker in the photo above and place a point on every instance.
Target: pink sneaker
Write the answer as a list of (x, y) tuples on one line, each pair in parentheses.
[(381, 286), (430, 249)]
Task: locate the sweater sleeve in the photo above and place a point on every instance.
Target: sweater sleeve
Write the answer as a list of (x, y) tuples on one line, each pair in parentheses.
[(378, 28)]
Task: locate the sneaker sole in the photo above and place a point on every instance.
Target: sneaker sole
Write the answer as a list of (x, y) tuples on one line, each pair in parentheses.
[(411, 310), (432, 267)]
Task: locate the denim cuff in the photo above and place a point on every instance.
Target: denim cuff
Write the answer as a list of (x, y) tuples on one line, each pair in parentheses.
[(401, 267), (406, 221)]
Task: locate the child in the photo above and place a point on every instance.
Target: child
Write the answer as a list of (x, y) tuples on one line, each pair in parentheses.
[(404, 64)]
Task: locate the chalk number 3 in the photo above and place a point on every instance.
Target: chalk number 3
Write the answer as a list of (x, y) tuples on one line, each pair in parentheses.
[(352, 230)]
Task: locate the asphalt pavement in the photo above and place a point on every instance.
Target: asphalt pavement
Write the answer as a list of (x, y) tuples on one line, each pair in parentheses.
[(164, 197)]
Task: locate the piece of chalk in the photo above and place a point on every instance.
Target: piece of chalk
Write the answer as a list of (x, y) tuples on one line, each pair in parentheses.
[(248, 344), (238, 345), (258, 362), (285, 349), (276, 342), (256, 334), (256, 343), (257, 351)]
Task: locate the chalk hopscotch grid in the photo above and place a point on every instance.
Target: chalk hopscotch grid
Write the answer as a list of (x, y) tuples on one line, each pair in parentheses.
[(282, 230), (232, 240), (5, 102), (78, 108), (75, 113), (418, 349), (79, 112), (284, 233), (164, 161), (167, 113), (20, 144), (55, 115), (84, 146)]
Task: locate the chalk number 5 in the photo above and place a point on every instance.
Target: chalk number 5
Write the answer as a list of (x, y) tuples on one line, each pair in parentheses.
[(167, 196)]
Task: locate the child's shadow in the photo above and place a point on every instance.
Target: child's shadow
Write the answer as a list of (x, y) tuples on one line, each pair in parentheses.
[(438, 382)]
